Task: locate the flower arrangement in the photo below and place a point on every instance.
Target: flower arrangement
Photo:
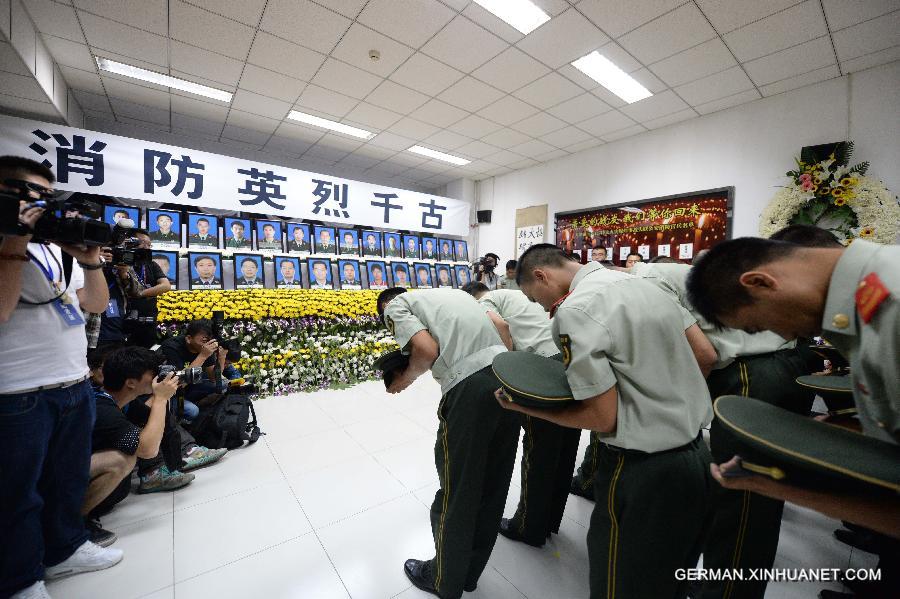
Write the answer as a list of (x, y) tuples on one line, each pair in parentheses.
[(291, 340), (835, 196)]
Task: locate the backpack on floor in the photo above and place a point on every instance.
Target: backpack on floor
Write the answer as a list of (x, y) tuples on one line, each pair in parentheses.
[(227, 423)]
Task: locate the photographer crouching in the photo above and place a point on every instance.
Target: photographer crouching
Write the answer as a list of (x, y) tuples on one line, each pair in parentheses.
[(484, 270), (46, 404)]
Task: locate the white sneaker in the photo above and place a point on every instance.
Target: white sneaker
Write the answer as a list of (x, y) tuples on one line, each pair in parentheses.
[(35, 591), (87, 558)]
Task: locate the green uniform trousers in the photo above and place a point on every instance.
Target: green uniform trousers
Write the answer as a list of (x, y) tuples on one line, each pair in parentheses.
[(474, 455), (583, 482), (651, 515), (548, 457), (745, 527)]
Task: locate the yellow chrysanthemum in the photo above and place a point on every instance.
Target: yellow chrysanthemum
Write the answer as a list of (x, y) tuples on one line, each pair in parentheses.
[(837, 192), (840, 201), (867, 232)]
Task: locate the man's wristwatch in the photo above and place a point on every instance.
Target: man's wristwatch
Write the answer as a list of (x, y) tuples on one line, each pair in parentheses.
[(97, 266)]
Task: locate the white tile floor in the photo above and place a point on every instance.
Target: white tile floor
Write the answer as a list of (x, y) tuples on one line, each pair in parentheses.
[(332, 501)]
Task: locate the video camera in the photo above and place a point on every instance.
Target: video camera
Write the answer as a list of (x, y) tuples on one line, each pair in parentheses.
[(128, 252), (53, 225), (188, 376), (232, 346), (484, 264)]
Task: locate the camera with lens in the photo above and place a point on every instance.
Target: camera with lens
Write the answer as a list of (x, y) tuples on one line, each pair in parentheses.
[(129, 253), (232, 346), (188, 376), (485, 264), (54, 224)]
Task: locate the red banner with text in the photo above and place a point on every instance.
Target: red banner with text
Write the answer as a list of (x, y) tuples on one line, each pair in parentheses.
[(678, 228)]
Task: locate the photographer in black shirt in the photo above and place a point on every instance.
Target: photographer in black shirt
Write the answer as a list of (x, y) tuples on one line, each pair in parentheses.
[(140, 321)]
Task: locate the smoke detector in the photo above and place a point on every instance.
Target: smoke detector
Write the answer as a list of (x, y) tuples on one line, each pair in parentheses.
[(374, 55)]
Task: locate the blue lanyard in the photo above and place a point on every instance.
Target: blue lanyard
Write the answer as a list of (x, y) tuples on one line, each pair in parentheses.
[(46, 270)]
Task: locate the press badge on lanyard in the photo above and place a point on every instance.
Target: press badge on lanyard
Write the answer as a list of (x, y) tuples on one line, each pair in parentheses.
[(70, 315)]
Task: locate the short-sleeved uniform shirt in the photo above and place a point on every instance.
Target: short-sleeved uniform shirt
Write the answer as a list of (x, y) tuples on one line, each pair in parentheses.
[(620, 331), (112, 429), (529, 325), (873, 347), (728, 343), (467, 338)]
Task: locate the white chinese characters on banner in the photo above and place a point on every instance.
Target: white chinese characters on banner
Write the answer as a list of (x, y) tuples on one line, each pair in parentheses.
[(527, 237), (111, 165)]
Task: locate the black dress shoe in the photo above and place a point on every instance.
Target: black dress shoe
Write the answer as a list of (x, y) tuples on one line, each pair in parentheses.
[(508, 531), (418, 575), (864, 540)]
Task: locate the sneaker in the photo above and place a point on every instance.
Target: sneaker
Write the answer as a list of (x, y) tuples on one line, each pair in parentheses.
[(198, 457), (35, 591), (99, 535), (163, 480), (87, 558)]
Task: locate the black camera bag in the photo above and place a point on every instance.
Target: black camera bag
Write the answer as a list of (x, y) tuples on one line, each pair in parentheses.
[(227, 423)]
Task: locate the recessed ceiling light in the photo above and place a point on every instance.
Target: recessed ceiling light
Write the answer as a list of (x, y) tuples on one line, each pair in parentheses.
[(521, 14), (438, 155), (316, 121), (119, 68), (603, 71)]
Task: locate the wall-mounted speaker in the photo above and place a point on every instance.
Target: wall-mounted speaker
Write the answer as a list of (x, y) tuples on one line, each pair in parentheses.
[(484, 216)]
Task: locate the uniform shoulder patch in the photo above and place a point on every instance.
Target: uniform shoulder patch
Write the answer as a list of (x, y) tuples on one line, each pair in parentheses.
[(389, 323), (870, 294), (566, 343)]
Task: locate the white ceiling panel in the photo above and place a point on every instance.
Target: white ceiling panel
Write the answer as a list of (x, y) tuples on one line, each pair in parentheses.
[(505, 158), (809, 78), (524, 163), (673, 32), (532, 148), (54, 19), (69, 53), (78, 79), (871, 36), (539, 124), (11, 62), (269, 52), (553, 155), (439, 113), (580, 108), (103, 34), (670, 119), (297, 131), (793, 26), (325, 101), (447, 140), (470, 94), (567, 136), (392, 141), (728, 15), (728, 102), (359, 161), (130, 110), (202, 63), (655, 107), (92, 101), (505, 138), (245, 137), (412, 128), (190, 124), (372, 117), (475, 126), (707, 58), (617, 18), (507, 111), (204, 29), (396, 97), (151, 95), (563, 39), (464, 45), (549, 90), (623, 133), (272, 84), (511, 70), (305, 23), (261, 105), (791, 62), (871, 60), (215, 113), (343, 78), (245, 11), (412, 22), (844, 13), (716, 86), (426, 74), (149, 15), (605, 123), (477, 149), (251, 122), (354, 48), (375, 152), (646, 78), (585, 145)]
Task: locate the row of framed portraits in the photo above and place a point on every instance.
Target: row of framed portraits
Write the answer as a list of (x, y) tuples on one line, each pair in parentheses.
[(203, 231), (206, 271)]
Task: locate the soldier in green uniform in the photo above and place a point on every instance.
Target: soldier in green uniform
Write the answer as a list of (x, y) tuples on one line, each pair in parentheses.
[(632, 369), (548, 450), (745, 527), (448, 332), (850, 297)]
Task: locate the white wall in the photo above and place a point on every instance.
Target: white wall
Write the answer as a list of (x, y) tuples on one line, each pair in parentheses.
[(749, 146)]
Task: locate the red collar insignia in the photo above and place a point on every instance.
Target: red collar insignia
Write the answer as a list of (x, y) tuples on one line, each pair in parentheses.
[(869, 296), (558, 303)]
